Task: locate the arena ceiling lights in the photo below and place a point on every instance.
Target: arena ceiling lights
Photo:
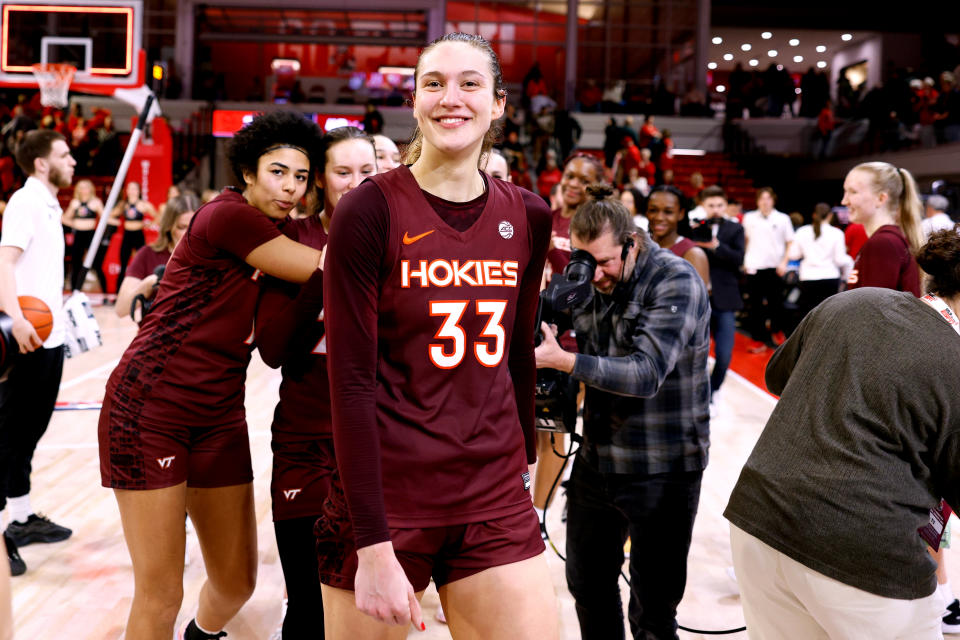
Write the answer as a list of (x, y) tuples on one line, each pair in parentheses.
[(796, 49)]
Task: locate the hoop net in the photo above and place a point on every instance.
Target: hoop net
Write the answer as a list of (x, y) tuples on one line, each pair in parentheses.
[(54, 80)]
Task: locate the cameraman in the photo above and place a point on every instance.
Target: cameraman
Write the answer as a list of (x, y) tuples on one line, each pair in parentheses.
[(644, 339)]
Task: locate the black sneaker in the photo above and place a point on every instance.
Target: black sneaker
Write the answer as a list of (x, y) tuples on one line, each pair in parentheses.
[(951, 621), (36, 529), (191, 632), (17, 566)]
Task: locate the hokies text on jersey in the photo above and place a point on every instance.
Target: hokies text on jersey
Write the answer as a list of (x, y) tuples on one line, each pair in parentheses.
[(446, 273)]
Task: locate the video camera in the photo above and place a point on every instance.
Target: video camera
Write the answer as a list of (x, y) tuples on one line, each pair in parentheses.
[(140, 306), (556, 397)]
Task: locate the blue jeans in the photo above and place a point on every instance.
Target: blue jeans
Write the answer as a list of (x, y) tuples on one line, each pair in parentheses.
[(657, 512), (723, 325)]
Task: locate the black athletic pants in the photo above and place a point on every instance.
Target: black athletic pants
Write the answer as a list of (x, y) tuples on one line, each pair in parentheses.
[(298, 557), (101, 254), (765, 303), (27, 398), (132, 240), (81, 241)]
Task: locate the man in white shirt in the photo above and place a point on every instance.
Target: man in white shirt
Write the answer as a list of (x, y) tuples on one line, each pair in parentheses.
[(936, 217), (31, 263), (769, 234)]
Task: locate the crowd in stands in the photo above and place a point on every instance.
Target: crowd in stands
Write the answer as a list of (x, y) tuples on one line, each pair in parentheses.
[(93, 140)]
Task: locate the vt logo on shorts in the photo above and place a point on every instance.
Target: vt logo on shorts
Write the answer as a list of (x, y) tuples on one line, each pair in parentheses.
[(408, 240), (166, 462), (291, 494)]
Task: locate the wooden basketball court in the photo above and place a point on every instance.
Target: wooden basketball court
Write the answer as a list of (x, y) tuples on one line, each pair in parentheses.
[(81, 588)]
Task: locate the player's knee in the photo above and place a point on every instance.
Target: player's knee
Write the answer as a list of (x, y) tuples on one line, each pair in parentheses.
[(161, 602), (238, 589)]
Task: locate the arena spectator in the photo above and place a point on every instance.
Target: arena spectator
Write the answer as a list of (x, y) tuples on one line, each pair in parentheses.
[(822, 253), (721, 237), (883, 198), (879, 449), (936, 217), (769, 234), (549, 175)]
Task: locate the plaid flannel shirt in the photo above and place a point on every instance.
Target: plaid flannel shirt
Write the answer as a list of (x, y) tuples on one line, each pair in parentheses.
[(643, 359)]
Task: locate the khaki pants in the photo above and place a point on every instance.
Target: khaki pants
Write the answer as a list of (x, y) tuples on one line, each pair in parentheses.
[(784, 599)]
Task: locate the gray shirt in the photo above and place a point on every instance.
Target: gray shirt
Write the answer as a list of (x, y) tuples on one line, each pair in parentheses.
[(863, 443)]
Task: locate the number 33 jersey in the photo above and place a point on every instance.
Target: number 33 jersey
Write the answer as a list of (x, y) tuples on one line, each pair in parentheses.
[(451, 443)]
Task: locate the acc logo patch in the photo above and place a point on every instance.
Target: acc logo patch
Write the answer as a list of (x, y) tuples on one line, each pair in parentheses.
[(506, 230)]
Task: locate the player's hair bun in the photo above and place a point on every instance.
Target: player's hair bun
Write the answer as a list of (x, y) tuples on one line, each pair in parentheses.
[(940, 259), (600, 191)]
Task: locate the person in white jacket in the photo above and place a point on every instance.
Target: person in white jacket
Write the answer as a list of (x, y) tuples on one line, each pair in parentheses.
[(823, 257)]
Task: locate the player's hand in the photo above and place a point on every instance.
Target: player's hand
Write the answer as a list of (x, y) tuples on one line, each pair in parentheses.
[(781, 269), (382, 590), (25, 335)]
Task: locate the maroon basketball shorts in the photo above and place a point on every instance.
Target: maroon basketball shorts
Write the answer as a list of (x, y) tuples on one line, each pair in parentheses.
[(301, 477), (135, 454), (447, 553)]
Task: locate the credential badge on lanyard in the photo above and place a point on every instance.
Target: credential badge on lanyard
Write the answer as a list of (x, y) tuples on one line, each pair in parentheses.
[(944, 310)]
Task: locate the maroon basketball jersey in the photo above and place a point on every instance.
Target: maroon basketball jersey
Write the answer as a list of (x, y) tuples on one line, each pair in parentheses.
[(681, 246), (188, 362), (285, 337), (559, 254), (445, 398)]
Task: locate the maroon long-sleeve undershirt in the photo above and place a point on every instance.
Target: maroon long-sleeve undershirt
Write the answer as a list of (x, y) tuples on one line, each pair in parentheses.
[(356, 267)]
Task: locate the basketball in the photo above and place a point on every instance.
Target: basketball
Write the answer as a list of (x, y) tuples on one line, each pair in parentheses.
[(38, 314)]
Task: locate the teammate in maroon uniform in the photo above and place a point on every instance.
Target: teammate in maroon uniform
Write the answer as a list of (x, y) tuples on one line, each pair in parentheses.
[(290, 333), (172, 429), (884, 200), (664, 213), (581, 170), (430, 286), (141, 278)]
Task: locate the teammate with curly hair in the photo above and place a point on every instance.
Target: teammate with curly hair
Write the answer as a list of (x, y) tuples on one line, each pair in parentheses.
[(173, 433)]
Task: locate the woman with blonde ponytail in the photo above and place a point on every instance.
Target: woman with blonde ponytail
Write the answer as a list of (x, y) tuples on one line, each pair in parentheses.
[(884, 200)]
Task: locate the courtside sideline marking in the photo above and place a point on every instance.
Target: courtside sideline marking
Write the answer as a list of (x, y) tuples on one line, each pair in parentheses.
[(757, 391), (93, 373)]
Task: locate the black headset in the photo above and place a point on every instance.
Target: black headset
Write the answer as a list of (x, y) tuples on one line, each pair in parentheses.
[(627, 245)]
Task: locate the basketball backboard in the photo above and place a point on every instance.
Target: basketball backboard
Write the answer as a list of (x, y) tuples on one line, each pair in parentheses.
[(101, 38)]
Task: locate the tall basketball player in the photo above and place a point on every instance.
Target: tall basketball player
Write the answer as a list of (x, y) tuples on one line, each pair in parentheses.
[(173, 434), (430, 291), (290, 333)]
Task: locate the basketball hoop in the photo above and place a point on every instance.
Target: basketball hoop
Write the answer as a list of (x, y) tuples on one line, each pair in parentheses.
[(54, 79)]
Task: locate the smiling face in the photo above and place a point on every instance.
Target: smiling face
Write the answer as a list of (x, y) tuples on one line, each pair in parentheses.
[(577, 175), (349, 162), (860, 198), (133, 192), (388, 155), (455, 101), (280, 182), (84, 191), (663, 213)]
